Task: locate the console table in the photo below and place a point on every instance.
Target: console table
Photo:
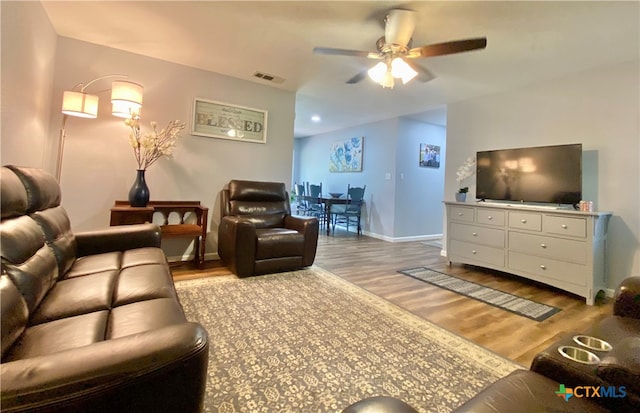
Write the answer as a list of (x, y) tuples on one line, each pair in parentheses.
[(179, 219), (558, 247)]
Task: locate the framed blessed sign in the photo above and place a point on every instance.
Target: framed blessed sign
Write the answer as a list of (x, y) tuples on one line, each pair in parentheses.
[(222, 120)]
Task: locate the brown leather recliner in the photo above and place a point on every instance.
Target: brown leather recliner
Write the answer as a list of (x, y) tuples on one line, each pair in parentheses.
[(258, 234)]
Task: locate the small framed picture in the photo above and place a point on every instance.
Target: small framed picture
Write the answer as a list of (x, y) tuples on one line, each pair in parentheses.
[(225, 121), (429, 156)]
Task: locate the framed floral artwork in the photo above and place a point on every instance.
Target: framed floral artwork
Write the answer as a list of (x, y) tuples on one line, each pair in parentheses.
[(429, 156), (346, 156)]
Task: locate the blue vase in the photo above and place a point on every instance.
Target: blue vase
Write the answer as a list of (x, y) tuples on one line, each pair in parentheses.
[(139, 193), (461, 196)]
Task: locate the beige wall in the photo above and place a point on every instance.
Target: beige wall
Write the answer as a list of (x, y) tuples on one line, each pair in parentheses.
[(28, 57), (98, 165), (598, 108)]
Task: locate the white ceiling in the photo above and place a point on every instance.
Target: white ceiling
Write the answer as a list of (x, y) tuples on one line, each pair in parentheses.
[(526, 42)]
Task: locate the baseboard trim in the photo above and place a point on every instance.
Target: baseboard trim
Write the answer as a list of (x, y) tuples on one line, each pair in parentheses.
[(403, 239), (208, 256)]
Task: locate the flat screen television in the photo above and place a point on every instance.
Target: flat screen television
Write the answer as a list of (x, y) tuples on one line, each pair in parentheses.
[(543, 174)]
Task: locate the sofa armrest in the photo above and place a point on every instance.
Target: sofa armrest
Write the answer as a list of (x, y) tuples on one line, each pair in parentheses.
[(120, 238), (627, 298), (300, 224), (309, 227), (621, 366), (237, 244), (162, 370)]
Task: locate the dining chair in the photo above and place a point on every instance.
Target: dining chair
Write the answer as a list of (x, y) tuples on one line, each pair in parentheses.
[(351, 211), (301, 202), (314, 207)]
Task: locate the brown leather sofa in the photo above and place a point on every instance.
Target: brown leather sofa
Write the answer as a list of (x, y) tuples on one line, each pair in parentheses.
[(538, 390), (258, 234), (535, 390), (90, 321)]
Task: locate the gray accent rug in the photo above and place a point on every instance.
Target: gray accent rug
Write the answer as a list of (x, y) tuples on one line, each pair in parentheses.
[(309, 341), (509, 302)]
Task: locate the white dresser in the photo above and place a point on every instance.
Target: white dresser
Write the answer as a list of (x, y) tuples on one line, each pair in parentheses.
[(558, 247)]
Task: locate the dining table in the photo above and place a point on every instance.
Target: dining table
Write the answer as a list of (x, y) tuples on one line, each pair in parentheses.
[(327, 201)]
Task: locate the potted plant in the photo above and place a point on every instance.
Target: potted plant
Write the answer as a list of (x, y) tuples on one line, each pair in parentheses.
[(465, 171), (461, 195)]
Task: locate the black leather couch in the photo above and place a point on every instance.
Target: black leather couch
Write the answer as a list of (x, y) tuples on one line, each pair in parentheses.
[(91, 321), (258, 234), (536, 390)]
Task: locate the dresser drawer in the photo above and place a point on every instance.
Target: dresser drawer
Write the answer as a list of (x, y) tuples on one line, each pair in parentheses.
[(548, 268), (475, 252), (573, 227), (464, 214), (557, 248), (490, 217), (481, 235), (525, 220)]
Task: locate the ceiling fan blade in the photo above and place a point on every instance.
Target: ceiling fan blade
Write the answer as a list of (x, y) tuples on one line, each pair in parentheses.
[(441, 49), (344, 52), (400, 24), (357, 78), (424, 74)]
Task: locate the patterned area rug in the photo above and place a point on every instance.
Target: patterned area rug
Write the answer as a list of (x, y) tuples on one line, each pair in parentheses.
[(309, 341), (509, 302)]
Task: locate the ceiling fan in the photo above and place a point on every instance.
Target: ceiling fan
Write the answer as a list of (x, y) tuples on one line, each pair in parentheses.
[(396, 51)]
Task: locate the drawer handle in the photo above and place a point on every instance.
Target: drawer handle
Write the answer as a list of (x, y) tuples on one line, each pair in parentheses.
[(524, 221), (475, 234), (489, 217), (543, 245), (564, 226), (543, 267), (474, 252), (460, 214)]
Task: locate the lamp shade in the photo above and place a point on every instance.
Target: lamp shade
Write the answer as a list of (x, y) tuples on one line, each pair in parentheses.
[(82, 105), (126, 98), (401, 69), (377, 72)]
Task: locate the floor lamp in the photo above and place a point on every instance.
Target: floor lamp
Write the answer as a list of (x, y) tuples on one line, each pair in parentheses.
[(126, 101)]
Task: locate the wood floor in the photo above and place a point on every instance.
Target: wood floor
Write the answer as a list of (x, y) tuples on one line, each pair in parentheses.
[(373, 264)]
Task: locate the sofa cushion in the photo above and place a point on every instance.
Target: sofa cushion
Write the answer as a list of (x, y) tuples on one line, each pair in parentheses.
[(34, 277), (621, 366), (144, 316), (13, 196), (143, 282), (90, 264), (279, 242), (526, 391), (55, 224), (75, 296), (20, 238), (265, 203), (14, 313), (64, 334), (142, 256), (614, 329), (42, 188)]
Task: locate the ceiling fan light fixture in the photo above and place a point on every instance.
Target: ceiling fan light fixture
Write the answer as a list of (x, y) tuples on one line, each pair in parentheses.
[(377, 72), (387, 80), (402, 70)]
